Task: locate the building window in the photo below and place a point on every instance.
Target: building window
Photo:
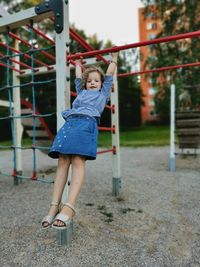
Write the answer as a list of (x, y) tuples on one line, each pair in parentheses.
[(151, 26), (151, 48), (151, 102), (153, 113), (152, 59), (152, 91), (151, 36), (150, 80), (151, 15)]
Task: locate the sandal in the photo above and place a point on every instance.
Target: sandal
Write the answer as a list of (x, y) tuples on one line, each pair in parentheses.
[(49, 218), (64, 218)]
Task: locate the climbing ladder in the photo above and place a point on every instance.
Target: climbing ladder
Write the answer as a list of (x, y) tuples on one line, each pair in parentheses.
[(41, 133)]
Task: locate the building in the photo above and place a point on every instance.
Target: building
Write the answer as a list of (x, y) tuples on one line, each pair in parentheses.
[(149, 27)]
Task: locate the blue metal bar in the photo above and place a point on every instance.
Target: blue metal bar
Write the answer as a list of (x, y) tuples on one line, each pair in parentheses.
[(27, 178), (8, 79), (33, 99), (27, 84)]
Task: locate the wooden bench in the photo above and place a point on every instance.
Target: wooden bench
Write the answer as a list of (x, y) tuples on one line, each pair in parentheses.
[(188, 129)]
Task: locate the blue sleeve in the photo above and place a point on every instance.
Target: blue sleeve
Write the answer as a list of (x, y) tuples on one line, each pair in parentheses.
[(107, 85), (78, 85)]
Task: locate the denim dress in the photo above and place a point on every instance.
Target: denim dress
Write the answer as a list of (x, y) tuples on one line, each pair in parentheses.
[(79, 134)]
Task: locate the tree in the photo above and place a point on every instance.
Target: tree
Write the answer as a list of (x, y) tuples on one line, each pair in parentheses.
[(177, 17)]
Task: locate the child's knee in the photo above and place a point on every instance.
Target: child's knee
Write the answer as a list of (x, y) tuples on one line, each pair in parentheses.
[(78, 160), (63, 159)]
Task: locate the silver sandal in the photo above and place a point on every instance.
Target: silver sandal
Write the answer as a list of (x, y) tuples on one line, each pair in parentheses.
[(64, 218), (50, 218)]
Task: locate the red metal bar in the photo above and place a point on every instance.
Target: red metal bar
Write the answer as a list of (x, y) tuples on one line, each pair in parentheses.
[(134, 45), (29, 105), (110, 107), (160, 69), (107, 129), (29, 45), (42, 34), (14, 174), (47, 38), (34, 176), (12, 68), (18, 62), (25, 55), (84, 44), (106, 151)]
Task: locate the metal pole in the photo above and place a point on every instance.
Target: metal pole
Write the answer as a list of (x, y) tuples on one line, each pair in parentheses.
[(18, 128), (116, 180), (134, 45), (160, 69), (172, 159), (63, 98)]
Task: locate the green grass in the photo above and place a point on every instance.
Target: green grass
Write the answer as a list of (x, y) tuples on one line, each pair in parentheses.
[(25, 142), (143, 136)]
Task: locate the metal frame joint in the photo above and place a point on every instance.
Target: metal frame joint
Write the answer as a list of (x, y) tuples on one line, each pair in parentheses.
[(56, 6)]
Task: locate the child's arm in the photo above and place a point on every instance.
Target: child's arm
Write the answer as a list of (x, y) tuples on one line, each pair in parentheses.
[(78, 73), (78, 69), (113, 64)]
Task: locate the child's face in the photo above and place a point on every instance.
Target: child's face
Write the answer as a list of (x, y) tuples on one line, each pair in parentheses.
[(93, 81)]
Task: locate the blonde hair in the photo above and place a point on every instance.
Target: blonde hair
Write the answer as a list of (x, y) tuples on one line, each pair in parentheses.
[(86, 73)]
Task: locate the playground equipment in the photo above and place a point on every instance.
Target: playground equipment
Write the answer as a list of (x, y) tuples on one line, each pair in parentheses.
[(31, 119), (188, 130), (42, 133), (15, 70), (186, 123)]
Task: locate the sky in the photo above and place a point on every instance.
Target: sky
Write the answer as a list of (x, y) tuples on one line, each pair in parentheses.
[(109, 19)]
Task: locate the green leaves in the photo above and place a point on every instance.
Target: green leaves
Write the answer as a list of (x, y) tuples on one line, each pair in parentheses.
[(177, 17)]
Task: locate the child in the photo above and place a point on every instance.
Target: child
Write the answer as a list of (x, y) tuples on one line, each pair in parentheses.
[(76, 141)]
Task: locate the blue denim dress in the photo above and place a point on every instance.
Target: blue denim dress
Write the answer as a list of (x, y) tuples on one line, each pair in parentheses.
[(79, 134)]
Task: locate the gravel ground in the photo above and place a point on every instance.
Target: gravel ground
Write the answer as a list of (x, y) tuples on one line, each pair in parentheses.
[(154, 222)]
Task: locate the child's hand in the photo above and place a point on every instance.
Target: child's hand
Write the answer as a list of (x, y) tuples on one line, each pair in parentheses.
[(115, 56), (79, 61)]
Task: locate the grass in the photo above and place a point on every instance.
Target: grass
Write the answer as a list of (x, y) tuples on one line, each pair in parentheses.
[(25, 142), (142, 136)]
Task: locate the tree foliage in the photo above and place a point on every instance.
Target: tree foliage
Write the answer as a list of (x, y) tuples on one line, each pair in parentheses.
[(177, 17)]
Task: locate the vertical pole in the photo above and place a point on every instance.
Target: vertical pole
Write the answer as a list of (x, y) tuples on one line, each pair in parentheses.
[(63, 96), (116, 180), (18, 129), (62, 70), (172, 159)]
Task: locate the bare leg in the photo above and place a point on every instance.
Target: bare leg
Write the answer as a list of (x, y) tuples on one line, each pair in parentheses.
[(59, 182), (78, 174)]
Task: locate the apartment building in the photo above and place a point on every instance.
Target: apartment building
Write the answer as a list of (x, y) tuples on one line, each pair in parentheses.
[(149, 27)]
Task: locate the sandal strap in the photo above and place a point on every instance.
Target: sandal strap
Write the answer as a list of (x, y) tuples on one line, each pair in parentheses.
[(63, 218), (70, 206), (53, 203), (48, 219)]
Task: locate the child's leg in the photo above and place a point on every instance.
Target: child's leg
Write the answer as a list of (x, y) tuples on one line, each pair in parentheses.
[(61, 177), (78, 173), (59, 182)]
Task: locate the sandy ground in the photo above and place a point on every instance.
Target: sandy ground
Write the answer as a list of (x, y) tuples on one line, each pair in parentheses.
[(155, 221)]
